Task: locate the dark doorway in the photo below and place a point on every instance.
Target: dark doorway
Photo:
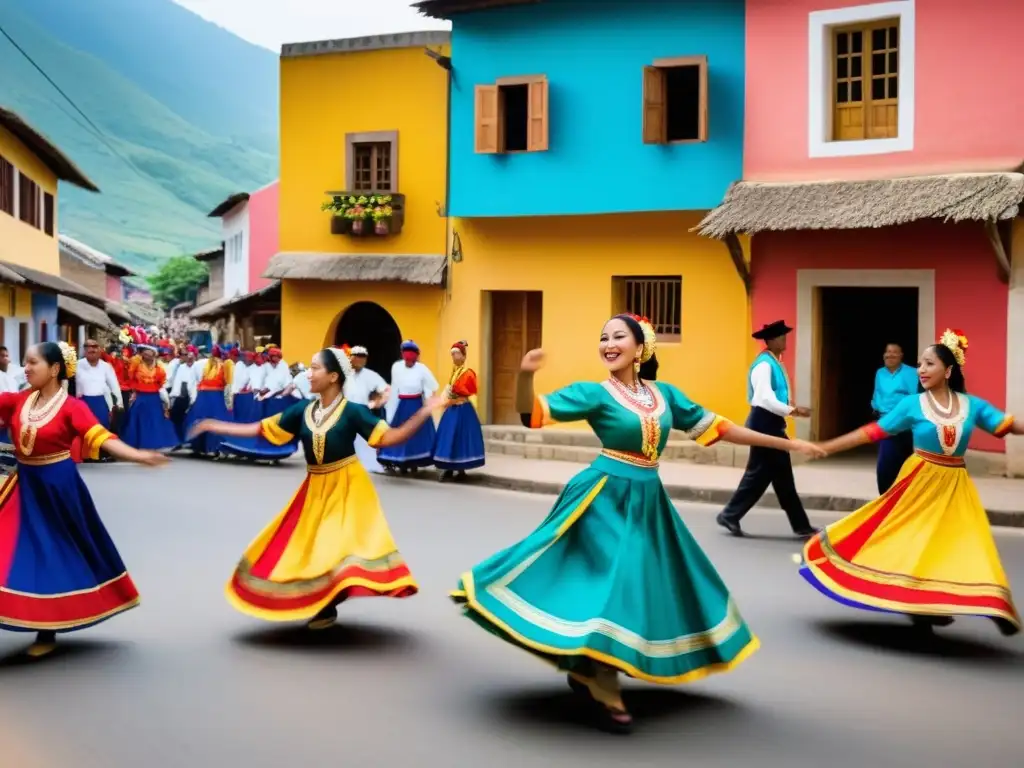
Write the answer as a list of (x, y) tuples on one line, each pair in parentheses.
[(366, 324), (854, 325), (516, 320)]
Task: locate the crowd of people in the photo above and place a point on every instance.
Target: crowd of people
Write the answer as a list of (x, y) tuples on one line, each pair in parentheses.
[(586, 591)]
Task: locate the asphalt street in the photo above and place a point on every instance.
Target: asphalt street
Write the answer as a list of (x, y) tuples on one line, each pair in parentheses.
[(186, 681)]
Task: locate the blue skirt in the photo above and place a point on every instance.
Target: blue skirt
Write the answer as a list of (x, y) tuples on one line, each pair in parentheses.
[(146, 427), (246, 409), (460, 439), (209, 404), (59, 569), (98, 405), (259, 448), (419, 451)]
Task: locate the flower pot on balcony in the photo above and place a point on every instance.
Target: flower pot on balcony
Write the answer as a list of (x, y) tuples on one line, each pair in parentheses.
[(382, 227), (339, 225), (360, 227)]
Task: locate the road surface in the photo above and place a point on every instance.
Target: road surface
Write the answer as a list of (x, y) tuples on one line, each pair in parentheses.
[(185, 681)]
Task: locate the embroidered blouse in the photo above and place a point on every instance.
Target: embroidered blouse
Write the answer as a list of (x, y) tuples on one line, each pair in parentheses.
[(46, 436), (329, 442)]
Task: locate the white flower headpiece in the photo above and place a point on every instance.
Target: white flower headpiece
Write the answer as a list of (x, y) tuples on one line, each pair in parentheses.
[(341, 354)]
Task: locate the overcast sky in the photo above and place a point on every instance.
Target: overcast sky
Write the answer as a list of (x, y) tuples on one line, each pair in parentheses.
[(268, 23)]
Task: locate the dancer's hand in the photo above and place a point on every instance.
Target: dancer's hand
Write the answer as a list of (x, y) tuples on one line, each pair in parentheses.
[(200, 427), (802, 413), (437, 401), (151, 459), (533, 360), (812, 450)]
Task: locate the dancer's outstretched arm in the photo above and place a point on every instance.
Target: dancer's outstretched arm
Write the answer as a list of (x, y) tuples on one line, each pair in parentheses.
[(742, 436), (859, 436), (404, 433), (226, 428), (125, 452)]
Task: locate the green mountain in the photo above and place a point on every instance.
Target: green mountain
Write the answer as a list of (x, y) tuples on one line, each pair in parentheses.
[(187, 114)]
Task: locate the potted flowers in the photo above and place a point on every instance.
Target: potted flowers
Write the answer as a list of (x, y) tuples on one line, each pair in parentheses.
[(337, 205), (352, 214), (382, 213)]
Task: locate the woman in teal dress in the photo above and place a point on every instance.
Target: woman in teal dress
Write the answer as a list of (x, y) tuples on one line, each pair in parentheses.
[(633, 591)]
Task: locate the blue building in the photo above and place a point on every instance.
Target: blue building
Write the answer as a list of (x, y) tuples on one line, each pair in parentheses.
[(586, 141)]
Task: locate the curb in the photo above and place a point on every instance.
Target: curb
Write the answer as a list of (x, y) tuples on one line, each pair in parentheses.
[(694, 494)]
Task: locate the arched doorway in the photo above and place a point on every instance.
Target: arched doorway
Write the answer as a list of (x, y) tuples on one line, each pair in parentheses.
[(369, 325)]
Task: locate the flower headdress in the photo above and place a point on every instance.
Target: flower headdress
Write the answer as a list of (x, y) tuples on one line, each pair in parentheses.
[(70, 358), (956, 342), (341, 354), (650, 338)]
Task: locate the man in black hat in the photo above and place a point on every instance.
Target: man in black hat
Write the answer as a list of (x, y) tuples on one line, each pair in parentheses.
[(769, 396)]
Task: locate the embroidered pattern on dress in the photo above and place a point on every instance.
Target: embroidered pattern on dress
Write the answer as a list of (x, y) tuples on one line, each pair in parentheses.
[(322, 423), (31, 422), (650, 416), (949, 429)]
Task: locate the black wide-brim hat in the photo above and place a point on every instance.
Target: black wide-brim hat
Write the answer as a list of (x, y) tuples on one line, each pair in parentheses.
[(772, 331)]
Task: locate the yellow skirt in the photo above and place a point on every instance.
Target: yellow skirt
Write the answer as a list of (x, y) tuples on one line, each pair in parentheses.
[(330, 543), (922, 548)]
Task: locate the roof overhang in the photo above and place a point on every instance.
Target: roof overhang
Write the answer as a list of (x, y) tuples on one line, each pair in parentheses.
[(445, 9), (85, 312), (358, 268), (229, 304), (92, 257), (59, 163), (43, 282), (210, 255), (367, 43), (224, 207)]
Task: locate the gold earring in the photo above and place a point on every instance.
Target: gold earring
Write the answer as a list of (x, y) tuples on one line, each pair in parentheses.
[(636, 367)]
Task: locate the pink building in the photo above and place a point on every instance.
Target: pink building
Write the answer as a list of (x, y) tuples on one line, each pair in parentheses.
[(882, 184), (250, 227)]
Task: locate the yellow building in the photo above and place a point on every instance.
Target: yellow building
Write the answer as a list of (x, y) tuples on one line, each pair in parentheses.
[(30, 169), (553, 281), (360, 117)]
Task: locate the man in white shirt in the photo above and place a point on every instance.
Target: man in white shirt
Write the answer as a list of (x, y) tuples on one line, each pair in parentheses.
[(96, 384), (366, 387), (303, 387), (183, 391), (12, 377), (769, 394)]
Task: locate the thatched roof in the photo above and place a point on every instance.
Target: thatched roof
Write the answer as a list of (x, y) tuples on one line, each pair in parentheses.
[(228, 304), (751, 207), (45, 150), (363, 268), (84, 312), (444, 9)]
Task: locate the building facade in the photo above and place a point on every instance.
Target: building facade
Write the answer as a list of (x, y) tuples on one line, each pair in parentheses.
[(586, 143), (363, 118), (881, 187), (250, 234), (31, 168)]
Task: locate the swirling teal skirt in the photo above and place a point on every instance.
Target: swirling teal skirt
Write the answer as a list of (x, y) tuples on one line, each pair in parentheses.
[(611, 576)]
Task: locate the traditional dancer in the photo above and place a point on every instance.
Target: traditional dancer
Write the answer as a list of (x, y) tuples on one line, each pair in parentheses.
[(213, 401), (460, 439), (332, 541), (924, 548), (273, 383), (413, 383), (893, 381), (612, 581), (769, 395), (182, 391), (147, 423), (244, 400), (60, 570), (96, 384), (366, 387)]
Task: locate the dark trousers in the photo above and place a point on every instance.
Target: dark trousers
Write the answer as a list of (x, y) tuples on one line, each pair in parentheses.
[(767, 466), (892, 453)]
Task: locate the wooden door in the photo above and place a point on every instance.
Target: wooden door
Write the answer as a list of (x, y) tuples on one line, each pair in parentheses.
[(515, 329)]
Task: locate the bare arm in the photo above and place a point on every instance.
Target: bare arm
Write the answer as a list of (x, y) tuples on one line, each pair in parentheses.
[(123, 451), (846, 442), (401, 434), (1017, 428), (743, 436), (226, 428)]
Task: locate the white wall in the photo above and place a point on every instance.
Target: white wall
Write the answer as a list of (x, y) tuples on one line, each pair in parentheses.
[(1015, 351), (236, 251)]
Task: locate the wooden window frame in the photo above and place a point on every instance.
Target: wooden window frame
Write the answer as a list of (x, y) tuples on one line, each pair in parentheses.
[(9, 174), (370, 137), (654, 112), (49, 213), (36, 221), (489, 116), (866, 28), (620, 297)]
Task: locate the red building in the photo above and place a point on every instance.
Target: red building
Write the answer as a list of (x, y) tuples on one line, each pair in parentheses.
[(882, 184)]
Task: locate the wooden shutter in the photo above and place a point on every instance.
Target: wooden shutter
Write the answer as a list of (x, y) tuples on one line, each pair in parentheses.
[(654, 119), (48, 213), (702, 125), (537, 117), (488, 120)]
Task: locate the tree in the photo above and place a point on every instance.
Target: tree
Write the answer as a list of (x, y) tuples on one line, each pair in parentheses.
[(178, 279)]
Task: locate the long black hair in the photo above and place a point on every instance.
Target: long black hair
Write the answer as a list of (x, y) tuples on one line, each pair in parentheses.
[(948, 359), (330, 361), (52, 354), (648, 370)]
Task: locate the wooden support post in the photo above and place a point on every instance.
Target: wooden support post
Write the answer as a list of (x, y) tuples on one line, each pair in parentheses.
[(998, 239), (732, 242)]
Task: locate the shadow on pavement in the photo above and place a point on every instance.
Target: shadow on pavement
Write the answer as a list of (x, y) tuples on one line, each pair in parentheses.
[(339, 638), (554, 707), (67, 650), (943, 643)]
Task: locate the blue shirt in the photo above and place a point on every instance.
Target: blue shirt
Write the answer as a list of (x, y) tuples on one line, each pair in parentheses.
[(891, 387)]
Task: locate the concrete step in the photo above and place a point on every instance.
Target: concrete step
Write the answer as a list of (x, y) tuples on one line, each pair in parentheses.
[(581, 446)]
